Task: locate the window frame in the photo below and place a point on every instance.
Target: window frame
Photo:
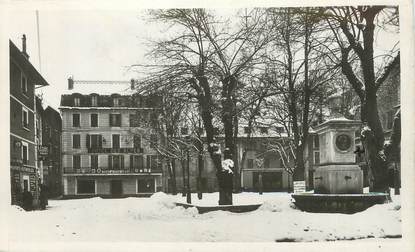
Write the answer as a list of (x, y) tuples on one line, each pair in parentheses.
[(112, 141), (25, 117), (94, 100), (25, 145), (79, 120), (73, 141), (78, 181), (73, 161), (91, 161), (24, 88), (77, 101), (114, 116), (97, 120)]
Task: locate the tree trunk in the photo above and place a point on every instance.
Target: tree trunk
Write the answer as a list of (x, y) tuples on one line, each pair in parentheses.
[(172, 173), (373, 142)]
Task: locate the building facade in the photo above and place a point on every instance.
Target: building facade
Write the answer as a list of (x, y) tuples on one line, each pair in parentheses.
[(51, 151), (108, 144), (24, 172)]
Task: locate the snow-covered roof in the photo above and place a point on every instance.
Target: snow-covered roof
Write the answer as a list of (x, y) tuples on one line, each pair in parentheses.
[(101, 88)]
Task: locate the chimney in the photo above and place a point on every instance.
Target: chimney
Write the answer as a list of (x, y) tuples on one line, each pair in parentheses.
[(132, 84), (70, 83), (24, 46)]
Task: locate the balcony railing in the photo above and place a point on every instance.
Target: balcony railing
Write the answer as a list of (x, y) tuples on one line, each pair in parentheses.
[(115, 150), (104, 170)]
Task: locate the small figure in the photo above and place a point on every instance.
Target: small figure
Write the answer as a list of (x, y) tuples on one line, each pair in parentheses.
[(27, 199), (43, 197)]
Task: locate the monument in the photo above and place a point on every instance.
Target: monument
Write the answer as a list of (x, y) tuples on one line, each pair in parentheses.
[(338, 181)]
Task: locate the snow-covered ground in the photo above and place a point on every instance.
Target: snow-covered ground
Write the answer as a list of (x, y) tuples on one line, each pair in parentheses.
[(158, 219)]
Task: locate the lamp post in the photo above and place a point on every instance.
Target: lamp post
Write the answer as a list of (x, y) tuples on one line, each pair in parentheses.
[(188, 196)]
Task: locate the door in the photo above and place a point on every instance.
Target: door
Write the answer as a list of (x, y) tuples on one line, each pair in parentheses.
[(116, 187)]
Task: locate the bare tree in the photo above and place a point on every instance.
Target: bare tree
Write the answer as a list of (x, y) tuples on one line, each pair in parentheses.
[(354, 29), (300, 68)]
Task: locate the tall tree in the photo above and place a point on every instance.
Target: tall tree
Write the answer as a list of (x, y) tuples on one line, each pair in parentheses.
[(354, 29)]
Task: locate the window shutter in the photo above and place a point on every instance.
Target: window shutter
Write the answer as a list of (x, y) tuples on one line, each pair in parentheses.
[(122, 162), (148, 162), (109, 162), (88, 141), (131, 162), (111, 120), (100, 141)]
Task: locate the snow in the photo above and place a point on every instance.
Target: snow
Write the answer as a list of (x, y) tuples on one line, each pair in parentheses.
[(157, 219), (227, 166)]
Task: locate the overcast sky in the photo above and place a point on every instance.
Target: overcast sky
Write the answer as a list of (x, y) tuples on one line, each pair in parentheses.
[(91, 45)]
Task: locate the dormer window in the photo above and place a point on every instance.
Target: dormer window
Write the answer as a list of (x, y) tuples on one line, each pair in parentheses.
[(264, 130), (94, 100), (77, 102), (116, 102)]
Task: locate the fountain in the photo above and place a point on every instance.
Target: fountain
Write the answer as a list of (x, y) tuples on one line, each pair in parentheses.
[(338, 181)]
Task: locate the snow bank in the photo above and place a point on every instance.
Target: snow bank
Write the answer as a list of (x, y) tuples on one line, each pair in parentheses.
[(158, 219)]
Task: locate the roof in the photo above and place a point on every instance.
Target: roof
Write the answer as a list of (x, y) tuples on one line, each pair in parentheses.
[(101, 88), (26, 66)]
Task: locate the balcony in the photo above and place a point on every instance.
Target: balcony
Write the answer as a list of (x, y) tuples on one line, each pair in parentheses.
[(106, 171), (115, 150)]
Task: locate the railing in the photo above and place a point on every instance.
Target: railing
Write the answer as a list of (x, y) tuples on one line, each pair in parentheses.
[(115, 150), (104, 170)]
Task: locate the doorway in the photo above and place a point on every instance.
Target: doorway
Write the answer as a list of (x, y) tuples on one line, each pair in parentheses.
[(116, 187)]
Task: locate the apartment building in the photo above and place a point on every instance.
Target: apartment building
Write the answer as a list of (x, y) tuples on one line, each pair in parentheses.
[(108, 141), (24, 171)]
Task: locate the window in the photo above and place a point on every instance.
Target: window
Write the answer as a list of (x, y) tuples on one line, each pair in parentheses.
[(136, 162), (76, 162), (115, 120), (25, 153), (137, 141), (134, 120), (76, 120), (266, 163), (153, 140), (85, 186), (26, 183), (184, 131), (116, 141), (23, 82), (316, 157), (250, 163), (25, 118), (115, 162), (77, 101), (264, 130), (116, 102), (316, 142), (152, 162), (247, 130), (279, 129), (94, 161), (94, 100), (94, 120), (94, 141), (76, 141)]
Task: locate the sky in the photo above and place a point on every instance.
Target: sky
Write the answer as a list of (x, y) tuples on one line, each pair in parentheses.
[(92, 44)]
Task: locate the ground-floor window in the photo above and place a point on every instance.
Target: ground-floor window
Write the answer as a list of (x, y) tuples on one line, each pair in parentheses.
[(146, 185), (271, 181), (86, 186)]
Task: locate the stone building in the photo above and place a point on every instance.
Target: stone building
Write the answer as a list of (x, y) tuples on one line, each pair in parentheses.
[(24, 78), (107, 144)]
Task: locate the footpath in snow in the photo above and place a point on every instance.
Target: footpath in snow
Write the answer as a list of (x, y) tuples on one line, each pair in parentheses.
[(157, 219)]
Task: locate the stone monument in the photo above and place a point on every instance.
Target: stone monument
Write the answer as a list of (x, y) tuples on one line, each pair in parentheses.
[(338, 172)]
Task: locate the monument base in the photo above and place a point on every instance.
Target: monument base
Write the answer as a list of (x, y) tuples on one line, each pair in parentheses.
[(338, 203), (338, 179)]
